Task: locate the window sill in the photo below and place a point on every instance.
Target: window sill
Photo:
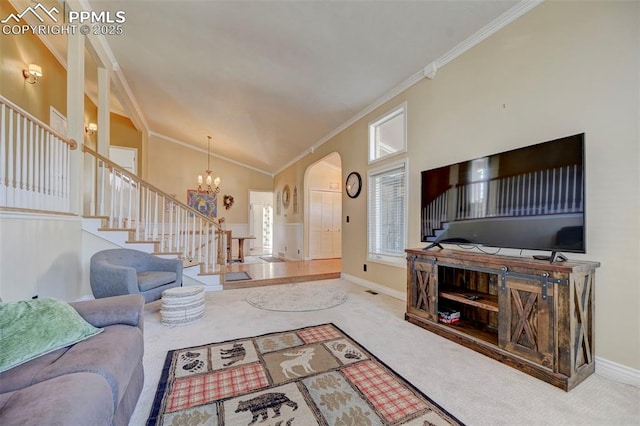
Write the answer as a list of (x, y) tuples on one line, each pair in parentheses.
[(398, 262)]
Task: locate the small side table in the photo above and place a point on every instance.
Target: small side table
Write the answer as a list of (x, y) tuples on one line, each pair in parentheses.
[(182, 305), (241, 246)]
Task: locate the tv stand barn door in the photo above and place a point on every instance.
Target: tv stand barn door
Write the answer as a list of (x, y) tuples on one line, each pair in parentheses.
[(526, 321), (529, 314)]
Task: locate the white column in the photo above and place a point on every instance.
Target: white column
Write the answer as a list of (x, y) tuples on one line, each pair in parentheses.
[(104, 109), (75, 115)]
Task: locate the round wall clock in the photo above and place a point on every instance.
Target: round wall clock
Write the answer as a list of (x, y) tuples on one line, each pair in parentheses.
[(354, 184), (286, 196)]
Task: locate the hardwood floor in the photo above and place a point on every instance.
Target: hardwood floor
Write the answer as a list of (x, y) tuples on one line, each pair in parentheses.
[(268, 273)]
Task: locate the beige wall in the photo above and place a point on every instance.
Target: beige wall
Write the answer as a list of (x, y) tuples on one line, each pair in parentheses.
[(563, 68), (17, 53), (51, 89), (124, 133), (40, 255), (174, 168)]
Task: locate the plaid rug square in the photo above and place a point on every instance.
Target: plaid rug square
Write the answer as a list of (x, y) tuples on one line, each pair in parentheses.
[(313, 375)]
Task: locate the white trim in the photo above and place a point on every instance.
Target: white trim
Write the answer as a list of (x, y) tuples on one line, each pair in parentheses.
[(400, 295), (382, 119), (618, 372), (429, 71), (488, 30), (7, 214), (195, 148), (399, 260)]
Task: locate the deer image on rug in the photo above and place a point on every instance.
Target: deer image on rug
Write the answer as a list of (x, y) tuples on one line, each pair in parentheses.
[(307, 376), (235, 354), (260, 404), (302, 359)]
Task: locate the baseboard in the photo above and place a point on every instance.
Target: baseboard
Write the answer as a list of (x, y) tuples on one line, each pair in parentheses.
[(401, 295), (84, 297), (604, 367), (618, 372)]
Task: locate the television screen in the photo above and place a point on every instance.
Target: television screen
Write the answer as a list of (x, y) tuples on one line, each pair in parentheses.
[(527, 198)]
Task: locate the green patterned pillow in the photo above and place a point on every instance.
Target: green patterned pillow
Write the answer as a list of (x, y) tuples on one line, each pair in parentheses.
[(31, 328)]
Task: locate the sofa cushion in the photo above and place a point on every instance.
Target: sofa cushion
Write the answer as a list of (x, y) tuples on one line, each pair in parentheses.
[(152, 279), (31, 328), (72, 399), (25, 374), (113, 354)]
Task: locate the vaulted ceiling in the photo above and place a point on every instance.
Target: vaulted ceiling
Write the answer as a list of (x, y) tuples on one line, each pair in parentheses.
[(270, 79)]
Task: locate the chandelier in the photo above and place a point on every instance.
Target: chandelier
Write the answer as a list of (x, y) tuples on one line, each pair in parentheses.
[(209, 180)]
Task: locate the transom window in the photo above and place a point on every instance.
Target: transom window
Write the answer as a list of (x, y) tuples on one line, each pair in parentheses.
[(387, 135)]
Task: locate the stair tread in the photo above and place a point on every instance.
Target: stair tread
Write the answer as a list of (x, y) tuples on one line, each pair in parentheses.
[(117, 229)]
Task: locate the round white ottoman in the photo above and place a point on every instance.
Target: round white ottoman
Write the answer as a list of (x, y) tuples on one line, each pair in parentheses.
[(182, 305)]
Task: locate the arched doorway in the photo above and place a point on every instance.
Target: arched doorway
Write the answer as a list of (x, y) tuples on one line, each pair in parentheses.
[(323, 208)]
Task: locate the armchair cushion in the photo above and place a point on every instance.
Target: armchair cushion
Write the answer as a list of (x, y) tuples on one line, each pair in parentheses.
[(31, 328), (152, 279)]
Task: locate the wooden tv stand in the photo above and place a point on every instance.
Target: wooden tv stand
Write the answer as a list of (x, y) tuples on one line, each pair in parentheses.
[(530, 314)]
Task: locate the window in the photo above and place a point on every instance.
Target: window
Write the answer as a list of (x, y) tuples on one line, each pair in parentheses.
[(387, 213), (387, 135)]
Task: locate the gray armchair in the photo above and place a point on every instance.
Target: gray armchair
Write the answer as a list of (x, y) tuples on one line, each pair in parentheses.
[(124, 271)]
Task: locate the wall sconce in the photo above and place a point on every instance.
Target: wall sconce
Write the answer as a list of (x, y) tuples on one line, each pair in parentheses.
[(91, 129), (32, 73)]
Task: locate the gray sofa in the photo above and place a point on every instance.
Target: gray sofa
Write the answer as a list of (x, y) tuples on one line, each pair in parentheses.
[(94, 382), (124, 271)]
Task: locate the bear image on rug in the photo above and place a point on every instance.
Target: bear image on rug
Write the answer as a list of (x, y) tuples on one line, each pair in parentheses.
[(312, 375)]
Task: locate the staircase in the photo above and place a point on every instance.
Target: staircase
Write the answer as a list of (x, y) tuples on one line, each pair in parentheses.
[(37, 167), (128, 212)]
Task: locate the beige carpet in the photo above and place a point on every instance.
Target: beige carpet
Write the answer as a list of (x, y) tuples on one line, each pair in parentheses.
[(474, 388)]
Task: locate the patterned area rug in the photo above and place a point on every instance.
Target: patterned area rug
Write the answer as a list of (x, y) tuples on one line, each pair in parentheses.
[(237, 276), (296, 297), (313, 375)]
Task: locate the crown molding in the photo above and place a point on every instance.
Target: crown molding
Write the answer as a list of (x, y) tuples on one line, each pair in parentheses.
[(485, 32), (195, 148), (428, 71)]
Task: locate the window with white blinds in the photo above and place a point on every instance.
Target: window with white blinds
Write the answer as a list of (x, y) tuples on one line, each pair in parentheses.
[(387, 213)]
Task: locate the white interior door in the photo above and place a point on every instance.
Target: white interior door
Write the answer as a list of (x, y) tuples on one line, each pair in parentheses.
[(257, 226), (325, 225), (261, 222), (126, 158), (57, 121)]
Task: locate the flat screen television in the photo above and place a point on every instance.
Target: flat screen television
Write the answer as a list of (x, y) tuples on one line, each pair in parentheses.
[(527, 198)]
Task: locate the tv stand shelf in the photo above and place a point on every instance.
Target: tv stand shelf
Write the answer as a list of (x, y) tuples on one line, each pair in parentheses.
[(530, 314), (483, 301)]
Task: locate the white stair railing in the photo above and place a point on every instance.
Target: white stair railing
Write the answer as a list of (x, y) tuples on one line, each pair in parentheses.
[(128, 202), (34, 162)]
